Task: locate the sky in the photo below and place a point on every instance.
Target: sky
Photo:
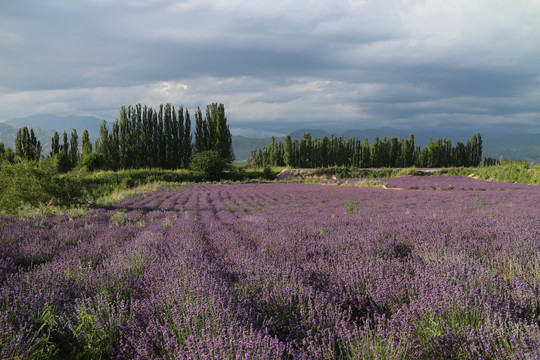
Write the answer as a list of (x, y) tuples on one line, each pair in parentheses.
[(276, 65)]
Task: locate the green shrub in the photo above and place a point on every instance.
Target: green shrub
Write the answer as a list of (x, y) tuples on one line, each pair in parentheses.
[(31, 183), (209, 164), (127, 182), (412, 171), (268, 173), (93, 161), (62, 162)]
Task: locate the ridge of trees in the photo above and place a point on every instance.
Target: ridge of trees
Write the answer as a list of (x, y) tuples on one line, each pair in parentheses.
[(352, 152), (142, 137), (26, 145)]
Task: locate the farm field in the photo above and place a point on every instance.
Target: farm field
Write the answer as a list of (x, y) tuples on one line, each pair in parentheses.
[(434, 267)]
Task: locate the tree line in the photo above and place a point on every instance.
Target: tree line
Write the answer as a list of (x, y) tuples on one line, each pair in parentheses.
[(352, 152), (142, 137)]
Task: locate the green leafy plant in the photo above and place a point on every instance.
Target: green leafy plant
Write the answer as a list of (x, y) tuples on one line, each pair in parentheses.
[(166, 223), (31, 183), (352, 207), (93, 161), (209, 164)]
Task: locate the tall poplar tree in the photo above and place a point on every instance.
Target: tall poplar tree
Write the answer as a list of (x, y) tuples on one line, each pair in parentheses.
[(26, 145), (222, 135), (74, 148), (167, 137), (55, 144), (287, 154), (201, 132), (188, 146), (65, 146), (86, 144), (180, 136)]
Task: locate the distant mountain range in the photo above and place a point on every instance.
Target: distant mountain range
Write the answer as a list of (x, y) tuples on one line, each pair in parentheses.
[(45, 125), (59, 123), (512, 147)]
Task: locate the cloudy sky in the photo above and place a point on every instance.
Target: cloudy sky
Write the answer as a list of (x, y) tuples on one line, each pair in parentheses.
[(278, 65)]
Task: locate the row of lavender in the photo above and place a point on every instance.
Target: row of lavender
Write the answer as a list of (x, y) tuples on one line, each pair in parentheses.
[(280, 271)]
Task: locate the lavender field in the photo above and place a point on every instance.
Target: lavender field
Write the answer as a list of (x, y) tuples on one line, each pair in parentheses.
[(433, 267)]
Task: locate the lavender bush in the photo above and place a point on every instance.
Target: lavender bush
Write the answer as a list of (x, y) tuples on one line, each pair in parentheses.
[(280, 271)]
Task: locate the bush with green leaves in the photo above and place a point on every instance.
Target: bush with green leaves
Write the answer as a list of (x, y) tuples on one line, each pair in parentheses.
[(32, 183), (62, 162), (268, 173), (93, 161), (209, 164)]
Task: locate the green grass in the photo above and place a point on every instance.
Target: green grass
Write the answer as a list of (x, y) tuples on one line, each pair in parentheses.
[(511, 172)]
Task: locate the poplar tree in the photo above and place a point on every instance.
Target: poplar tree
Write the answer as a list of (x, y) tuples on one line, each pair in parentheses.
[(26, 145), (114, 146), (223, 138), (161, 150), (86, 144), (188, 146), (174, 158), (167, 138), (74, 148), (201, 132), (180, 137), (55, 144), (287, 154), (65, 147)]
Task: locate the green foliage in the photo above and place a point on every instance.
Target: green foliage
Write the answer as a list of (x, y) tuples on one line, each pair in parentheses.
[(209, 163), (212, 132), (62, 161), (354, 173), (31, 183), (74, 148), (353, 153), (351, 207), (268, 173), (127, 182), (119, 218), (55, 144), (6, 154), (27, 147), (93, 161), (512, 171), (46, 347), (92, 341), (412, 171), (166, 223), (86, 144), (363, 183), (144, 137)]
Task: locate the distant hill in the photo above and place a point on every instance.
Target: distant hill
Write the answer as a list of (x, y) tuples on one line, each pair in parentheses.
[(60, 123), (298, 134), (7, 134), (45, 125), (514, 147)]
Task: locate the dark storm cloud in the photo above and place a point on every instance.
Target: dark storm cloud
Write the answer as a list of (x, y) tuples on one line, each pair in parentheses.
[(277, 64)]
